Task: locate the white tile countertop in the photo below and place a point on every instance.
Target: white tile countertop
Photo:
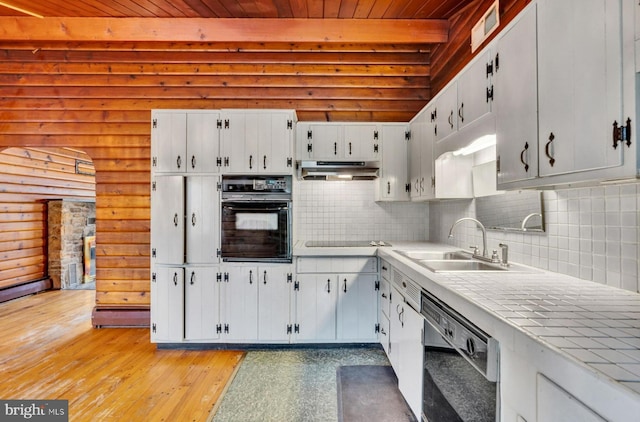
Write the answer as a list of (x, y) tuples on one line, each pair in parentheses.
[(587, 333), (591, 329)]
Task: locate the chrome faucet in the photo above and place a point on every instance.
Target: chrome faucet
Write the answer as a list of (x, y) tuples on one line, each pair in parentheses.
[(484, 233), (526, 219)]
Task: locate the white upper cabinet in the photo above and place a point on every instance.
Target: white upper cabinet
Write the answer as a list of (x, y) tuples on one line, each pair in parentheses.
[(393, 181), (446, 112), (421, 163), (475, 91), (338, 141), (361, 142), (515, 100), (579, 84), (185, 141), (257, 141)]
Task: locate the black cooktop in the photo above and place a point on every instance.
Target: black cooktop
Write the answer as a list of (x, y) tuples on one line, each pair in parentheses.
[(344, 243)]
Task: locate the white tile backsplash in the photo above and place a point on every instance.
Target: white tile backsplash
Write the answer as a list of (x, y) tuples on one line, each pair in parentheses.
[(346, 210), (591, 233)]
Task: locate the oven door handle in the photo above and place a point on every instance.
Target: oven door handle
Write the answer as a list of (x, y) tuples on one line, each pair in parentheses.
[(259, 210)]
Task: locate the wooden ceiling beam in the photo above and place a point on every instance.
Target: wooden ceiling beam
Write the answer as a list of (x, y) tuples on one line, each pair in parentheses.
[(383, 31)]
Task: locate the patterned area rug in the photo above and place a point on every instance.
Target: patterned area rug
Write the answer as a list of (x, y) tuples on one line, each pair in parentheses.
[(296, 385)]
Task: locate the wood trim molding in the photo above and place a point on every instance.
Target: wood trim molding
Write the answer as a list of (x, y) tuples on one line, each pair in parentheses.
[(32, 287), (390, 31), (120, 317)]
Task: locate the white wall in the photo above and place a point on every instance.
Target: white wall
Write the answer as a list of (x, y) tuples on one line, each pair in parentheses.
[(592, 233), (346, 210)]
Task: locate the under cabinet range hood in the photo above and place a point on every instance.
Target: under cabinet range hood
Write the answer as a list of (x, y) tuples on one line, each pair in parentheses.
[(338, 170)]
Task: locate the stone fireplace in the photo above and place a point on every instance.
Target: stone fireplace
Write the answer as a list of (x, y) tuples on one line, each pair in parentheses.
[(70, 222)]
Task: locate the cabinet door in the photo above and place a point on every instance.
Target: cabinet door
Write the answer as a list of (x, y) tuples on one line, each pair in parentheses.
[(238, 143), (555, 404), (515, 100), (411, 358), (393, 173), (239, 304), (203, 141), (326, 141), (417, 128), (274, 290), (201, 303), (579, 84), (169, 141), (361, 142), (357, 307), (167, 304), (203, 219), (395, 329), (427, 183), (275, 143), (446, 112), (167, 219), (473, 99), (316, 299)]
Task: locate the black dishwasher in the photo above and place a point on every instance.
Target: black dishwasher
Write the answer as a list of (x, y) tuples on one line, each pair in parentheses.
[(460, 367)]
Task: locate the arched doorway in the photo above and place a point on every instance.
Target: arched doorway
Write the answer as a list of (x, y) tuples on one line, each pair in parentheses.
[(36, 182)]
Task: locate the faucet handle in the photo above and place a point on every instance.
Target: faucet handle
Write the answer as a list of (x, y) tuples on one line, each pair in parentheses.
[(474, 248), (494, 256)]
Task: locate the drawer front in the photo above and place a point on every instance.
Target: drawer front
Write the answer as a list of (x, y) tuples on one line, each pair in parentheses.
[(385, 270), (352, 264), (385, 303)]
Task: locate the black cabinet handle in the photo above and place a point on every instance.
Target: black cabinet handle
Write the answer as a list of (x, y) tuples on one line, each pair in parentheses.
[(193, 278), (175, 219), (388, 188), (193, 219), (461, 112), (335, 148), (193, 161), (349, 148), (175, 279), (264, 163), (450, 119), (250, 277), (345, 285), (328, 285), (179, 161), (251, 161), (265, 276), (546, 149), (526, 165)]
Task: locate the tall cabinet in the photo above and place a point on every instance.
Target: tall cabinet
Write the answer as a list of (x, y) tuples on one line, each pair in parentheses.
[(185, 236)]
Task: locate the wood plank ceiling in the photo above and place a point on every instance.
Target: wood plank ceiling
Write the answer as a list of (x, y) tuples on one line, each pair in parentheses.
[(357, 60)]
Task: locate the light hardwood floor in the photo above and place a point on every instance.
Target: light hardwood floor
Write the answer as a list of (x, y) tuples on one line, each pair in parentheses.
[(49, 350)]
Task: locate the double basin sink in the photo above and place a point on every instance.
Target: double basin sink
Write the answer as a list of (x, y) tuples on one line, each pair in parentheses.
[(455, 261)]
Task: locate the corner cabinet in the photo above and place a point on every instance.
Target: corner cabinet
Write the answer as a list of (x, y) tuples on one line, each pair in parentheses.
[(257, 141), (393, 183)]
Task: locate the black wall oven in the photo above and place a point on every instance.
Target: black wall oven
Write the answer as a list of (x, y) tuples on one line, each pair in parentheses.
[(460, 367), (256, 218)]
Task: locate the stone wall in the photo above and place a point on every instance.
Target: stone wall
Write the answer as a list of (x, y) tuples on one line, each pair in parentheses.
[(68, 223)]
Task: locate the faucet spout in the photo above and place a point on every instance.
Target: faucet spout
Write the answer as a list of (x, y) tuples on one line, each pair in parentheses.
[(479, 224), (526, 219)]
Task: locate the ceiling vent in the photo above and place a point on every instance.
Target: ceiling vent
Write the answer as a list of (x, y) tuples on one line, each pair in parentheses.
[(487, 24)]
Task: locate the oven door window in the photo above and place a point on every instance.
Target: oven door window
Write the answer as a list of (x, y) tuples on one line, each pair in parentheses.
[(256, 231)]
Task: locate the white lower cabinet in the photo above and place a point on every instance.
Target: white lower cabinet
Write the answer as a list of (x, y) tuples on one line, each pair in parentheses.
[(255, 303), (334, 306), (406, 350), (185, 303), (555, 404)]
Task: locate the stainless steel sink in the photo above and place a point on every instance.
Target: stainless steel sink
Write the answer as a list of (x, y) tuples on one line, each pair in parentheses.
[(460, 266), (418, 255)]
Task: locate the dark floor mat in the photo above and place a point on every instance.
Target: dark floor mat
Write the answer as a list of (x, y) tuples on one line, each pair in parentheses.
[(370, 393)]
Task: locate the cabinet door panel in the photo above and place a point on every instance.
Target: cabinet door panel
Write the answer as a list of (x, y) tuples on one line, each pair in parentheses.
[(239, 305), (579, 74), (201, 303), (167, 219), (326, 142), (203, 219), (236, 153), (411, 359), (203, 142), (446, 112), (169, 145), (316, 300), (360, 142), (275, 143), (393, 173), (472, 91), (273, 303), (515, 101), (357, 307), (167, 304)]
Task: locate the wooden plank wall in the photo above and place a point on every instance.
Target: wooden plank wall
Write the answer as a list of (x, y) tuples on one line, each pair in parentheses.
[(97, 97), (30, 176)]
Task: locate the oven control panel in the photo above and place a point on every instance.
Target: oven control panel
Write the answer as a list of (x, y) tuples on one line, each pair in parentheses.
[(256, 184)]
